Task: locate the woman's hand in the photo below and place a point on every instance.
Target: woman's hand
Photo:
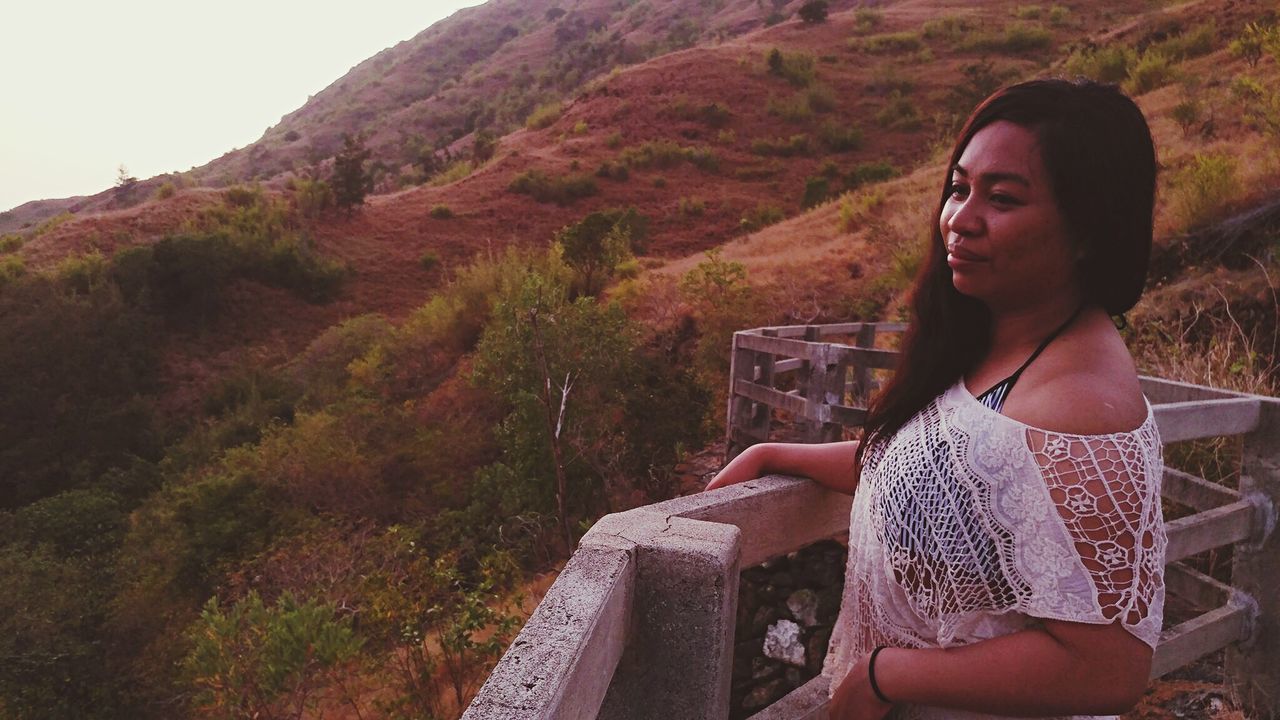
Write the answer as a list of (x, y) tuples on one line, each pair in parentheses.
[(830, 464), (854, 699)]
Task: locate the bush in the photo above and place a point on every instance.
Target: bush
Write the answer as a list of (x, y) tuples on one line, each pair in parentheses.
[(165, 191), (350, 181), (580, 127), (1058, 15), (795, 109), (867, 19), (840, 138), (10, 242), (948, 28), (761, 216), (1186, 114), (715, 115), (886, 43), (795, 68), (454, 172), (816, 191), (12, 267), (1107, 64), (441, 211), (667, 154), (691, 206), (312, 197), (1153, 70), (612, 170), (814, 11), (1204, 188), (544, 116), (1195, 42), (1027, 12), (820, 98), (899, 113), (870, 172), (1017, 38), (1254, 41), (613, 140), (857, 208), (782, 147), (561, 190)]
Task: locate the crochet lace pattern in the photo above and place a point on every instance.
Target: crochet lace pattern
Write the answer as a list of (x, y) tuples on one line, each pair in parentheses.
[(969, 525)]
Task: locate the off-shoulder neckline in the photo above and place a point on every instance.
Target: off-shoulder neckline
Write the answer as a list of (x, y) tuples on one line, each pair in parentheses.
[(968, 398)]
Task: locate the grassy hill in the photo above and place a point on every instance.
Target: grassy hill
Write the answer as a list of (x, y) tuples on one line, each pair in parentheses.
[(233, 411)]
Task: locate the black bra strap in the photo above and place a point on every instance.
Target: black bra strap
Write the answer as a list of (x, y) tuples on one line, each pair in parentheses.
[(1003, 387)]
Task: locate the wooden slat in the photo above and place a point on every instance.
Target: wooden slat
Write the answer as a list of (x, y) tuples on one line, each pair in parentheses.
[(848, 416), (1206, 418), (1209, 529), (780, 346), (869, 357), (775, 398), (1198, 637), (788, 365), (1159, 390), (1196, 492), (1193, 586)]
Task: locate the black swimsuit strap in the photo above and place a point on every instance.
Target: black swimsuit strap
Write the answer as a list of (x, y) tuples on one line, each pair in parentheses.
[(1006, 384)]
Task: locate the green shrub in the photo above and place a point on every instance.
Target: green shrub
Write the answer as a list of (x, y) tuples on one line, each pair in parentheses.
[(866, 19), (857, 208), (814, 11), (761, 216), (1028, 12), (1152, 71), (81, 273), (691, 206), (1204, 188), (1016, 38), (1187, 114), (899, 113), (948, 28), (50, 224), (820, 98), (870, 172), (561, 190), (1108, 64), (885, 43), (311, 196), (165, 191), (454, 172), (715, 115), (839, 138), (1192, 43), (612, 170), (816, 191), (727, 137), (667, 154), (613, 140), (440, 211), (782, 147), (1254, 41), (1058, 15), (580, 127), (11, 242), (659, 182), (1246, 89), (429, 261), (795, 109), (795, 68), (544, 116)]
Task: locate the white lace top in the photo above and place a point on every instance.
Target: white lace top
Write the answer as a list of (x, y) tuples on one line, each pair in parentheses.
[(969, 525)]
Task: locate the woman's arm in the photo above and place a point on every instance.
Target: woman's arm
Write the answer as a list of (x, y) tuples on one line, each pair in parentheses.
[(830, 464), (1064, 668)]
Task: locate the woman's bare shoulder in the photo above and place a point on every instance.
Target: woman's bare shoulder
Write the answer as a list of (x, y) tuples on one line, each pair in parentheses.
[(1087, 386)]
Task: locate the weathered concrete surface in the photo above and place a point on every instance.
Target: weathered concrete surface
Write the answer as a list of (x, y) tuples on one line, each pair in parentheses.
[(1253, 668), (561, 663), (807, 702), (679, 661)]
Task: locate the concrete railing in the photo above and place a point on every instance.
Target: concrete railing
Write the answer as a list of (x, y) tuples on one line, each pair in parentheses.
[(640, 622)]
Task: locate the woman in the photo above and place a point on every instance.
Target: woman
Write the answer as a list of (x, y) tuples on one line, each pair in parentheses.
[(1006, 548)]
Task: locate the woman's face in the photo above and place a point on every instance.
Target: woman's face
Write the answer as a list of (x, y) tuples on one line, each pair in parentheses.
[(1006, 241)]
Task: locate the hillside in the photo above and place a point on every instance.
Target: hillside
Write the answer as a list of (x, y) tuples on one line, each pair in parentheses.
[(232, 410)]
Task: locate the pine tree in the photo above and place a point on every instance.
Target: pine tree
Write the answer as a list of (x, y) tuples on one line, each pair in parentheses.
[(351, 182)]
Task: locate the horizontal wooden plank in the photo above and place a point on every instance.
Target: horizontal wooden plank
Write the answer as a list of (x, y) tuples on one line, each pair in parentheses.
[(780, 346), (1194, 587), (848, 416), (1199, 636), (1161, 391), (1209, 529), (773, 398), (1206, 418), (788, 365), (869, 357), (1196, 492)]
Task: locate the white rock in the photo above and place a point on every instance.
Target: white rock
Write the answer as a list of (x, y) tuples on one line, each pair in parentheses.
[(782, 642)]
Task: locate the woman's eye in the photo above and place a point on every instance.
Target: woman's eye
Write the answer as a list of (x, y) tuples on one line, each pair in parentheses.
[(1003, 199), (959, 190)]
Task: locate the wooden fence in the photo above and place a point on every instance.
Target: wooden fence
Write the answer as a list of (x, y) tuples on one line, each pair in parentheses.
[(640, 622)]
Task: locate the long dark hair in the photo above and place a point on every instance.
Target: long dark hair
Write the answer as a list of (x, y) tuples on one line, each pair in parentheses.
[(1097, 149)]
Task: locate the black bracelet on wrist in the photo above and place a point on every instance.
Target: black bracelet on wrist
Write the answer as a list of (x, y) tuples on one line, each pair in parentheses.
[(871, 675)]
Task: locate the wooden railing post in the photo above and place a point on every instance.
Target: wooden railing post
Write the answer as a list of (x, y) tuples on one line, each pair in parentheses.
[(748, 420), (822, 386), (1253, 667), (862, 389)]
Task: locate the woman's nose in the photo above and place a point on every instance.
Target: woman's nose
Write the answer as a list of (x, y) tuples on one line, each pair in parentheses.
[(965, 218)]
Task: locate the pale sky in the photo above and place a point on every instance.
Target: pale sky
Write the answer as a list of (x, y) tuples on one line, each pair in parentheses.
[(160, 86)]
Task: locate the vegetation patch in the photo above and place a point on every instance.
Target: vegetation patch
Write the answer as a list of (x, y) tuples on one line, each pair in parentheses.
[(796, 68), (899, 113), (1017, 38), (840, 138), (782, 147), (667, 154), (888, 43), (761, 216), (544, 116), (561, 190), (441, 211), (1204, 188)]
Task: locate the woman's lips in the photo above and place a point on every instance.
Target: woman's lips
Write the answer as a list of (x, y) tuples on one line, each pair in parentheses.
[(957, 255)]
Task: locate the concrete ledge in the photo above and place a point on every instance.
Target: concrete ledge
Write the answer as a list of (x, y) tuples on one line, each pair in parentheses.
[(777, 514), (561, 663), (807, 702)]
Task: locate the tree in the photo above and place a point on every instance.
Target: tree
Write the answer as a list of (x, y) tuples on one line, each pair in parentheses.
[(595, 245), (814, 11), (125, 183), (351, 182)]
